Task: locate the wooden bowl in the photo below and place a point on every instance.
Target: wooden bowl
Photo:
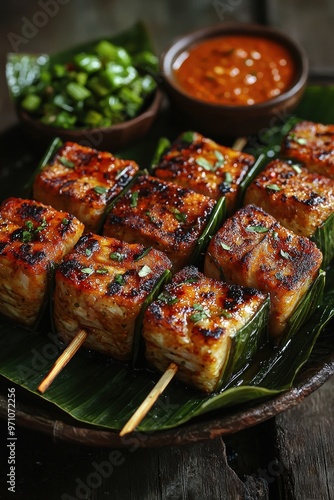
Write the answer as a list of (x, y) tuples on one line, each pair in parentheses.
[(112, 138), (232, 120)]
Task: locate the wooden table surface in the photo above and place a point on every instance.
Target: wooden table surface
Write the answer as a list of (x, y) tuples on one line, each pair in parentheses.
[(287, 457)]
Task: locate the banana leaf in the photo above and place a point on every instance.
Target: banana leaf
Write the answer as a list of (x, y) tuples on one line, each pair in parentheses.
[(51, 150), (246, 344), (323, 237), (306, 307), (216, 219), (98, 391)]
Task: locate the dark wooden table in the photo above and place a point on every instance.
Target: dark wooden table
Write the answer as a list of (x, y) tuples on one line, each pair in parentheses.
[(287, 457)]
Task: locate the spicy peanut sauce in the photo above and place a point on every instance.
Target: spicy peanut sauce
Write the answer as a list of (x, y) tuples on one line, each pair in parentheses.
[(235, 70)]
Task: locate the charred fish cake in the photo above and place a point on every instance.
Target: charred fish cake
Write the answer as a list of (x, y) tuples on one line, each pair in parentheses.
[(32, 237), (101, 287), (300, 200), (253, 249), (82, 181), (208, 168), (160, 214), (208, 328), (313, 144)]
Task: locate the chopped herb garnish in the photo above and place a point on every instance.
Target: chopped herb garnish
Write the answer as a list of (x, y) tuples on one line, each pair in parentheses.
[(188, 137), (199, 314), (143, 254), (30, 232), (87, 270), (119, 278), (279, 276), (150, 216), (194, 279), (273, 187), (202, 162), (225, 313), (88, 252), (224, 246), (300, 140), (168, 299), (285, 255), (296, 168), (119, 257), (65, 221), (100, 189), (228, 178), (220, 159), (102, 270), (42, 226), (67, 163), (179, 216), (144, 271), (134, 199), (26, 236), (257, 229)]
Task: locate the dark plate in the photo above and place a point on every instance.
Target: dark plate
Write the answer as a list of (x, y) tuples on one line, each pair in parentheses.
[(18, 160), (34, 413)]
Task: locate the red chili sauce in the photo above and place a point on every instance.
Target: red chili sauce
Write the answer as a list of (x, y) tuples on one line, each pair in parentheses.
[(235, 70)]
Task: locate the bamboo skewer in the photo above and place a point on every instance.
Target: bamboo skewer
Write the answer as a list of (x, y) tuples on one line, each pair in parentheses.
[(63, 359), (171, 371), (149, 401)]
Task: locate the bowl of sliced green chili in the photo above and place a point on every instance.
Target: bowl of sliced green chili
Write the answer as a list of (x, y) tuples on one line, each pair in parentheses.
[(101, 93)]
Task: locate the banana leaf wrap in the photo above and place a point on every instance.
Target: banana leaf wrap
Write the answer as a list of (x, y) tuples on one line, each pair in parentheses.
[(323, 237), (246, 344), (97, 391)]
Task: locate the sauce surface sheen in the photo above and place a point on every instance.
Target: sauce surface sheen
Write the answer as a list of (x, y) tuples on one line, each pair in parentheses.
[(235, 70)]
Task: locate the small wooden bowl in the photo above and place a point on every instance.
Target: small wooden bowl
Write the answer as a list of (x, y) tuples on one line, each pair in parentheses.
[(112, 138), (230, 120)]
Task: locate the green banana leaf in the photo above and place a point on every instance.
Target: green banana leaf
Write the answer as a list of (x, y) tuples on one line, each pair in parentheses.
[(98, 391), (323, 237)]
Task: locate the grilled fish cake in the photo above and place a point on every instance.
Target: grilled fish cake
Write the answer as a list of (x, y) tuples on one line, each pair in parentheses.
[(160, 214), (32, 236), (83, 181), (206, 167), (100, 287), (193, 323), (297, 198), (253, 249), (313, 144)]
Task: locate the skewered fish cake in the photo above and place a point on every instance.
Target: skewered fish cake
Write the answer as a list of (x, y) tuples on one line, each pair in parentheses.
[(300, 200), (201, 325), (101, 287), (313, 144), (253, 249), (32, 236), (83, 181), (206, 167), (160, 214)]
